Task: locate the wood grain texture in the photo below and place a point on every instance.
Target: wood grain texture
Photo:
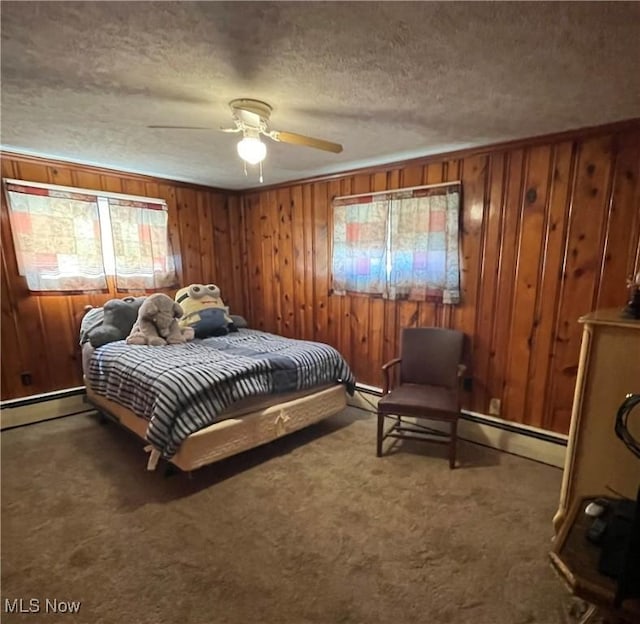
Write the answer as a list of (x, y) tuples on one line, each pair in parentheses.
[(550, 230), (39, 332)]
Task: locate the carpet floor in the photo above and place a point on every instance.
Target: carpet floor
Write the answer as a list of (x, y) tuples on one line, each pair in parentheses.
[(309, 529)]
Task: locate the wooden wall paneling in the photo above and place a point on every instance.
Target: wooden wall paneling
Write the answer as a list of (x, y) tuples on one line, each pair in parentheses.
[(320, 259), (240, 286), (217, 249), (47, 324), (13, 341), (62, 176), (133, 187), (273, 221), (583, 252), (254, 269), (451, 173), (500, 344), (61, 342), (113, 184), (84, 179), (486, 313), (209, 217), (309, 274), (285, 244), (31, 172), (473, 173), (271, 290), (25, 309), (561, 174), (623, 224), (587, 232), (297, 265), (527, 276), (186, 204)]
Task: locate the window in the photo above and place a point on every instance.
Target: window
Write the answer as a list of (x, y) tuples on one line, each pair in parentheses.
[(398, 245), (70, 239)]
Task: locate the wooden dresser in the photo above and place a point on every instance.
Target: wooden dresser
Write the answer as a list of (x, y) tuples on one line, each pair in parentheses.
[(609, 369)]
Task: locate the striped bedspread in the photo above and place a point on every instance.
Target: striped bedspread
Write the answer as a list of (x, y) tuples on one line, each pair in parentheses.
[(181, 389)]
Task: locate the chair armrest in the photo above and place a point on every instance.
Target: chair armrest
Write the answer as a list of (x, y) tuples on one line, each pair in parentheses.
[(385, 369)]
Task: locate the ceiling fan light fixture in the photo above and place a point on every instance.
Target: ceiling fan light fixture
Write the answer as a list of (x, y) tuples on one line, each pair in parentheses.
[(252, 149)]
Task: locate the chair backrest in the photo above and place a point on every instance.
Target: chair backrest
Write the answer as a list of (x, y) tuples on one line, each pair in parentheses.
[(430, 355)]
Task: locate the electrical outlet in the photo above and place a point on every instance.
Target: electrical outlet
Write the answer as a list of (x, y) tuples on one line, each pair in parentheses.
[(494, 407)]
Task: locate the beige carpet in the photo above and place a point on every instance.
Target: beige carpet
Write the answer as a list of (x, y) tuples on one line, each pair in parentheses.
[(312, 528)]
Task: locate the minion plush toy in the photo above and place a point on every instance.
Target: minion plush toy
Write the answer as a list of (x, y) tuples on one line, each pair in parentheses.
[(204, 311)]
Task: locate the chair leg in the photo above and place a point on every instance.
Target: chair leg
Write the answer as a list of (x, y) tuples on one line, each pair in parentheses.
[(453, 444), (380, 432)]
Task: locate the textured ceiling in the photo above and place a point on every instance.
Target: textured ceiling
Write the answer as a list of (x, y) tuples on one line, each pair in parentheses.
[(82, 81)]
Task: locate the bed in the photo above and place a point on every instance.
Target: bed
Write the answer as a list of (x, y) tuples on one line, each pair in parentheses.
[(200, 402)]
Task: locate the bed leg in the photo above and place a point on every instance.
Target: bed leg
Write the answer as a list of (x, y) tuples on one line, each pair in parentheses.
[(102, 419)]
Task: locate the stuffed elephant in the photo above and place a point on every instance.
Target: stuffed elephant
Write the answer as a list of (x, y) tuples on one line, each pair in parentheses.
[(157, 323)]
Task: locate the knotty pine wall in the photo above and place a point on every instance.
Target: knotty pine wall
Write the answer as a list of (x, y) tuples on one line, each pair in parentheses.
[(39, 332), (551, 228), (550, 232)]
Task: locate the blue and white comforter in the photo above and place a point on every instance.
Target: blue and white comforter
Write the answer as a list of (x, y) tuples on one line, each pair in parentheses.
[(181, 389)]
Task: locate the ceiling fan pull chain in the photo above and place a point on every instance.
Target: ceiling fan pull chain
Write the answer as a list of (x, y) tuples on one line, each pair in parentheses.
[(244, 162), (261, 179)]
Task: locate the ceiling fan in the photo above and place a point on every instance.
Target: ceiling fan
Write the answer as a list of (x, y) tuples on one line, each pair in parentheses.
[(251, 118)]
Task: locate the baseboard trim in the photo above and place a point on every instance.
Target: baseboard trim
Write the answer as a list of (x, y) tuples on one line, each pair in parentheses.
[(530, 442), (33, 409)]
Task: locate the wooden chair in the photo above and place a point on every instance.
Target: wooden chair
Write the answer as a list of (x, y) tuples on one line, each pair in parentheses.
[(430, 370)]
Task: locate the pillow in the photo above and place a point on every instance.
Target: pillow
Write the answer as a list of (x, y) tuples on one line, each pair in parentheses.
[(92, 319), (210, 322), (112, 322), (239, 321)]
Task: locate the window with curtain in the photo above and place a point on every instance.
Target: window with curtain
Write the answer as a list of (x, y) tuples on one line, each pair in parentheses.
[(57, 239), (143, 258), (70, 239), (399, 245)]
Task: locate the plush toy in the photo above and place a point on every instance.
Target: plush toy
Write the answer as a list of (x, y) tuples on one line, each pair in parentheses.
[(204, 311), (111, 322), (157, 323)]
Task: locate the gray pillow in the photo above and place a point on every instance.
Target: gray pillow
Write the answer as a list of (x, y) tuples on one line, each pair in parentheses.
[(110, 323), (239, 321)]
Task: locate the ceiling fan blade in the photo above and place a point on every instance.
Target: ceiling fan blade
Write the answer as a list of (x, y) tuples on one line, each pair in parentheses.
[(184, 127), (301, 139)]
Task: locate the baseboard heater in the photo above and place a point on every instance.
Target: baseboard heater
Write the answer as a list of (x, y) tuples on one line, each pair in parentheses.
[(46, 406), (544, 446)]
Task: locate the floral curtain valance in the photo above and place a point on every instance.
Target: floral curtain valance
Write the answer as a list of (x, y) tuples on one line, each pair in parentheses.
[(56, 236), (399, 245)]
